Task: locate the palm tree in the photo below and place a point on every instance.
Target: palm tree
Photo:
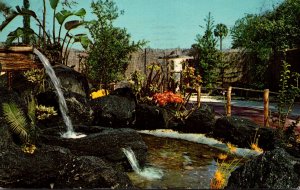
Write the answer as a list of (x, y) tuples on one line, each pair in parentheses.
[(221, 31)]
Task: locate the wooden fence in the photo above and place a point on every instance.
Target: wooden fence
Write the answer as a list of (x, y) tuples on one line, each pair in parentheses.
[(265, 93)]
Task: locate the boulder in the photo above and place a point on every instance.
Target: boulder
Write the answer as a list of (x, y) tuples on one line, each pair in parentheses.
[(54, 166), (242, 132), (21, 85), (101, 142), (71, 80), (201, 120), (116, 110), (79, 108), (271, 170), (151, 117)]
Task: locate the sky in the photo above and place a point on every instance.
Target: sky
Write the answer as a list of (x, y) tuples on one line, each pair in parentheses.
[(163, 23)]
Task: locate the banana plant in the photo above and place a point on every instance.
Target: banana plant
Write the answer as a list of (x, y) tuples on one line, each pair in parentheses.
[(60, 17), (21, 12), (78, 38), (64, 14), (19, 33)]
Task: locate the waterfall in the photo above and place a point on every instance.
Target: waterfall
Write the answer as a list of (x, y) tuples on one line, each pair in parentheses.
[(148, 172), (61, 99)]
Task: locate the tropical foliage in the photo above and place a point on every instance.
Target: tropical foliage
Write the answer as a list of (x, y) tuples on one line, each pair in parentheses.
[(16, 120), (55, 47), (268, 33), (43, 112), (221, 31), (111, 46)]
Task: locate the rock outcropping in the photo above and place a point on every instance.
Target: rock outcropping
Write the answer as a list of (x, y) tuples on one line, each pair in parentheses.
[(271, 170)]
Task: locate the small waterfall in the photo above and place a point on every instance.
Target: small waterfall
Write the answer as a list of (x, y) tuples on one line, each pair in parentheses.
[(61, 99), (147, 172)]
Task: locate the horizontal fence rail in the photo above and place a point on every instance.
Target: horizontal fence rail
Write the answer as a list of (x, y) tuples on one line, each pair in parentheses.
[(230, 89)]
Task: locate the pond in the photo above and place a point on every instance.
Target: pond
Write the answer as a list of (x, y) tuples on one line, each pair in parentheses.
[(184, 164)]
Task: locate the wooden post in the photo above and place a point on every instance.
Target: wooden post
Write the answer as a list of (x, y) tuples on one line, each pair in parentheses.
[(228, 105), (198, 96), (266, 108)]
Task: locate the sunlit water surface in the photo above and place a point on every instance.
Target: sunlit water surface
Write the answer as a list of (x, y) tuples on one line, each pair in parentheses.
[(184, 164)]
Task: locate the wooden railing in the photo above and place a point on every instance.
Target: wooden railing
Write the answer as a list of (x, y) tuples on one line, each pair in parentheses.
[(230, 89)]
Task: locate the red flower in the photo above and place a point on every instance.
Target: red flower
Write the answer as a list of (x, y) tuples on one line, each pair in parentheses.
[(167, 97)]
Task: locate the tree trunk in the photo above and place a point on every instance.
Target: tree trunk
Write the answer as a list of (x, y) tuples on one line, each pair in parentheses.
[(26, 23), (44, 24)]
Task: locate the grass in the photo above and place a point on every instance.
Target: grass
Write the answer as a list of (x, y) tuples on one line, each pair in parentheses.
[(224, 169)]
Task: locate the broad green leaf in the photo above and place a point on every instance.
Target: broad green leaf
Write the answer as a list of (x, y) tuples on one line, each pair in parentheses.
[(19, 32), (81, 12), (54, 3), (73, 24), (12, 36), (62, 16), (83, 40)]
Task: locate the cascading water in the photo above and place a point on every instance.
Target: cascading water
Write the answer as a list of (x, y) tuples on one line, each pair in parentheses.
[(147, 172), (61, 99)]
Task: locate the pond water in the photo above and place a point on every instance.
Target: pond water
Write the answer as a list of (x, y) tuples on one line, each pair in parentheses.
[(184, 164)]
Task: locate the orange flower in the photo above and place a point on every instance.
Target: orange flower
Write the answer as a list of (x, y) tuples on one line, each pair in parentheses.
[(218, 181), (256, 148), (231, 147), (222, 156), (167, 97)]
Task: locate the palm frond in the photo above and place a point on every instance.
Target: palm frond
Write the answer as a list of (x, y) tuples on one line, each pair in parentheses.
[(16, 120)]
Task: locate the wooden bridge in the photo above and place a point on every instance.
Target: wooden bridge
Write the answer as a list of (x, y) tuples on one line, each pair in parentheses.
[(17, 58)]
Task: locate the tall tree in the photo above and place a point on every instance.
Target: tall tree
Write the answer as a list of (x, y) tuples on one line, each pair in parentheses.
[(221, 31), (110, 50), (207, 54)]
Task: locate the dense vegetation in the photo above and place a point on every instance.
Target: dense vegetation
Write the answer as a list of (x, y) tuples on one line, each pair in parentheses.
[(207, 55), (268, 33), (109, 52)]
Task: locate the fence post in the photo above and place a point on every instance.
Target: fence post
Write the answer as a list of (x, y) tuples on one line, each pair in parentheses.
[(198, 95), (228, 105), (266, 107)]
